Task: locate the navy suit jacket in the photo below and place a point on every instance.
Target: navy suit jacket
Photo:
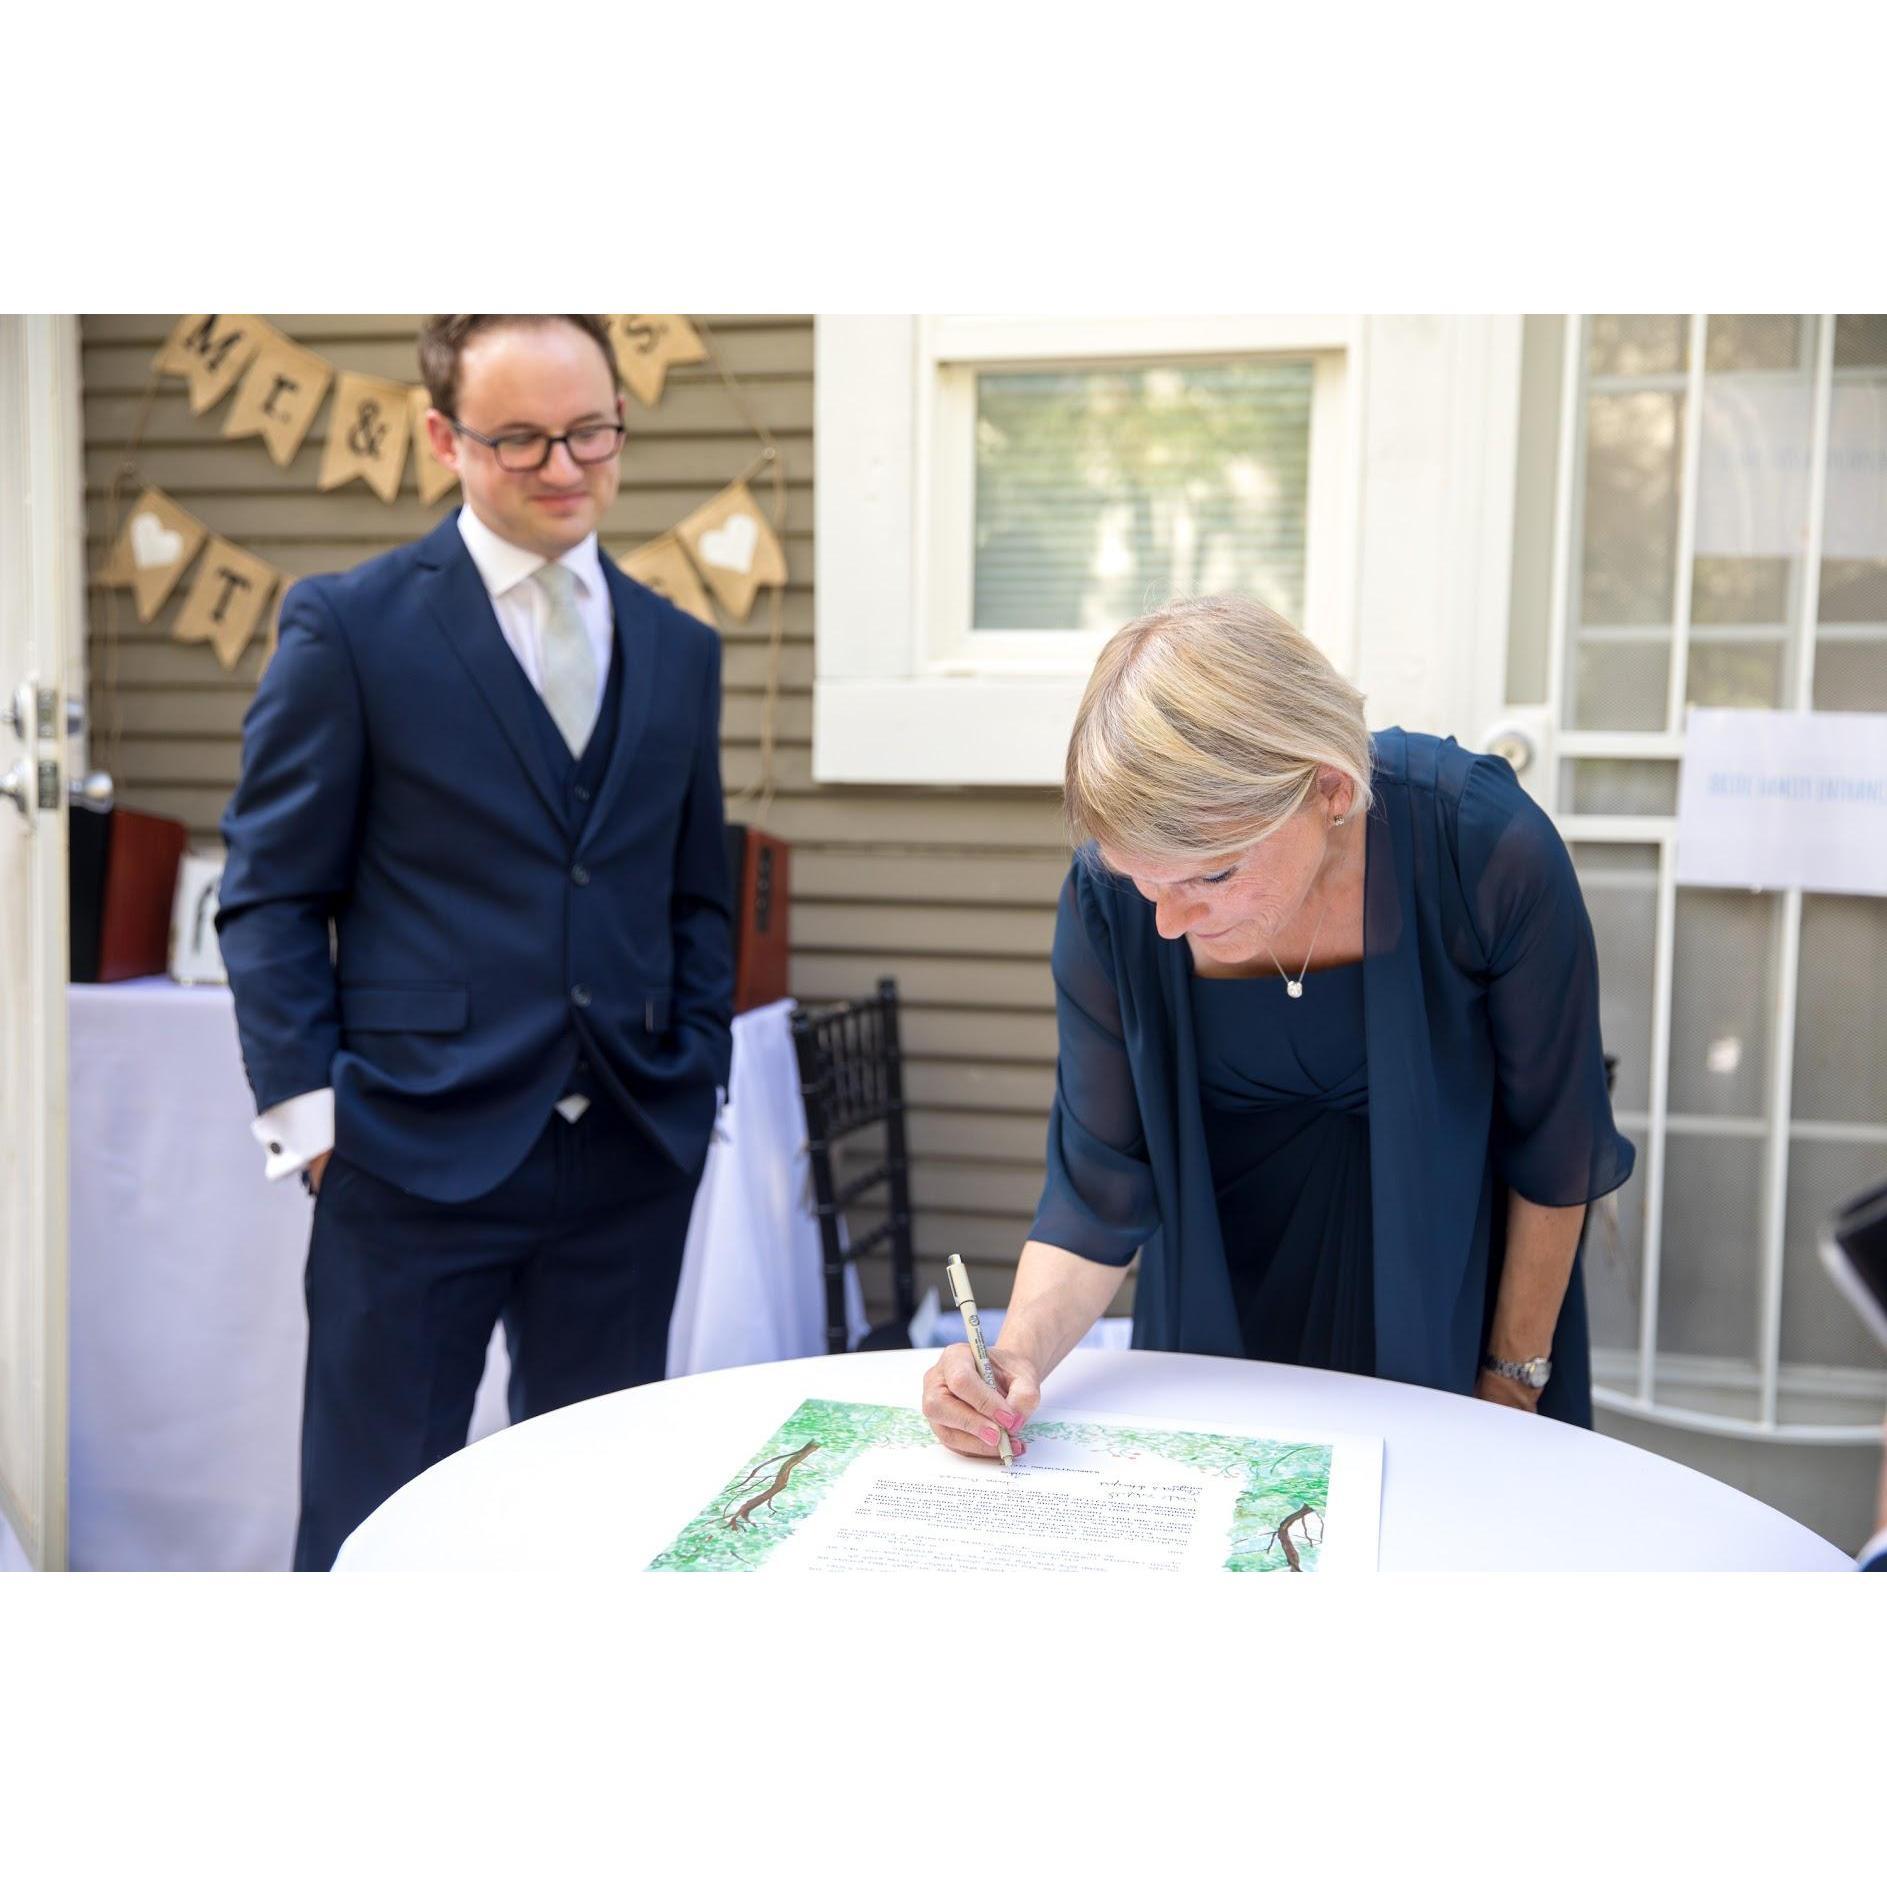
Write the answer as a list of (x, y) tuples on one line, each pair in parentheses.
[(394, 781)]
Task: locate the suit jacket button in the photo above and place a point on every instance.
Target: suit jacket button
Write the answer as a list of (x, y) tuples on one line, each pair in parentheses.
[(579, 874), (580, 995), (583, 795)]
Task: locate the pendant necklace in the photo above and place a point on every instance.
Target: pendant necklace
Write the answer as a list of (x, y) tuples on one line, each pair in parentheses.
[(1294, 985)]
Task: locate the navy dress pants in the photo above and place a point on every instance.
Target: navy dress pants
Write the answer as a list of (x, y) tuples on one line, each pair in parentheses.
[(579, 1251)]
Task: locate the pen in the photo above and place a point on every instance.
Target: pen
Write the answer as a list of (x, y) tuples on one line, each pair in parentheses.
[(960, 1290)]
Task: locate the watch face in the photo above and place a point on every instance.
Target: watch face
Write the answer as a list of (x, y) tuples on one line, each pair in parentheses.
[(1536, 1372)]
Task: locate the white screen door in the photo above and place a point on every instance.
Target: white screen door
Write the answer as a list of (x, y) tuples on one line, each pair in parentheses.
[(1702, 519), (41, 608)]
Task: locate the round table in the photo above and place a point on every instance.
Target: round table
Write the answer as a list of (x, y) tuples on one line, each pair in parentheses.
[(1467, 1485)]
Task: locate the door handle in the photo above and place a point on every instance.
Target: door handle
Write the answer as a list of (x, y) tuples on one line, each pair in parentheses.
[(19, 784), (25, 702), (1514, 746)]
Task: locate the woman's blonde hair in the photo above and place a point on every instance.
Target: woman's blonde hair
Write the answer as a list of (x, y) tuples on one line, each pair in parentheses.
[(1202, 730)]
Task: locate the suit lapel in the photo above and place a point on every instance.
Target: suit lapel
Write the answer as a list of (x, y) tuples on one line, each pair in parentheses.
[(460, 605), (639, 650)]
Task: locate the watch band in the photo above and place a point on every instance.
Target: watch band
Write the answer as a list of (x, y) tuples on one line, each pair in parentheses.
[(1534, 1372)]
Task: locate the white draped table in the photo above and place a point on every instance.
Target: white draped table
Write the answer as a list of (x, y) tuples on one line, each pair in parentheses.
[(188, 1329), (1467, 1485)]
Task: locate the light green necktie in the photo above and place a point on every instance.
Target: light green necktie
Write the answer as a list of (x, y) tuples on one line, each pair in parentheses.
[(568, 662)]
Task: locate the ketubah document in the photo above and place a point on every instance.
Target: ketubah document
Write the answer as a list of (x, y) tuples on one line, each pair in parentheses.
[(861, 1487)]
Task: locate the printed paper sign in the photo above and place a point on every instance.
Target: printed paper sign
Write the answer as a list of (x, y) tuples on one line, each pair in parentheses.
[(1777, 802)]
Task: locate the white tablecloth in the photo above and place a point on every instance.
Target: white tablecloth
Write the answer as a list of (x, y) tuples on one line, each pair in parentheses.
[(188, 1329), (1467, 1485)]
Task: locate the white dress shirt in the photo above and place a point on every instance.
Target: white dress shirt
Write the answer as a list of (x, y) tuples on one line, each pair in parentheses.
[(294, 1132)]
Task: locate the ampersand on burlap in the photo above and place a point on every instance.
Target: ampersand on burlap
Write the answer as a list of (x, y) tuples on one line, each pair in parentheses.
[(367, 428)]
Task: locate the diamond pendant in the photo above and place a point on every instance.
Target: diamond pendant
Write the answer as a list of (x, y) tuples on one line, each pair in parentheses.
[(1293, 987)]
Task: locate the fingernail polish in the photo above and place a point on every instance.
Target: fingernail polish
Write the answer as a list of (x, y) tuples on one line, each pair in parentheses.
[(989, 1435)]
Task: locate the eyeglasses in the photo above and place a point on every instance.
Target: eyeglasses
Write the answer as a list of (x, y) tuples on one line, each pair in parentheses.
[(590, 444)]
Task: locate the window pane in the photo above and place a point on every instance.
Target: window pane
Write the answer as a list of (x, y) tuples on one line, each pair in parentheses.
[(1851, 677), (1614, 1263), (1102, 493), (1753, 490), (1851, 640), (1818, 1323), (1740, 674), (1631, 508), (1708, 1278), (1620, 887), (1646, 787), (1841, 1014), (1861, 340), (1740, 590), (1721, 1005), (1621, 683), (1854, 589), (1637, 344), (1746, 343)]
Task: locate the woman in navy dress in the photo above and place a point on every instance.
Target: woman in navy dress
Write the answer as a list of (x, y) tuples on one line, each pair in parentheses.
[(1329, 1055)]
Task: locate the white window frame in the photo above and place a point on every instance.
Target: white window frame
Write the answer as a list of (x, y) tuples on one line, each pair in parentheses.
[(905, 693)]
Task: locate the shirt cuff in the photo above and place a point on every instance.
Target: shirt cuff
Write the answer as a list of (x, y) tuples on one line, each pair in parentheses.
[(1876, 1546), (294, 1132)]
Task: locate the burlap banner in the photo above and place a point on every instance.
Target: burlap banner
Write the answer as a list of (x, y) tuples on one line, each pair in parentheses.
[(663, 565), (734, 547), (647, 345), (367, 431), (153, 550), (227, 600), (210, 351), (279, 396), (725, 552)]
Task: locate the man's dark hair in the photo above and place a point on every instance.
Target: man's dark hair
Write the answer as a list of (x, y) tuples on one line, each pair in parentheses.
[(442, 340)]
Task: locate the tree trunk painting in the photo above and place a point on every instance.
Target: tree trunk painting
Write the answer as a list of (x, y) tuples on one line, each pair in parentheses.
[(743, 1515)]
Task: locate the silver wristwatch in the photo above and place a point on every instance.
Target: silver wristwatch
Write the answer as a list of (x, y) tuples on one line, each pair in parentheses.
[(1533, 1372)]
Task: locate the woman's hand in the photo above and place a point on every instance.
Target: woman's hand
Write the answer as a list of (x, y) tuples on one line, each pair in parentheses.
[(963, 1410), (1494, 1388)]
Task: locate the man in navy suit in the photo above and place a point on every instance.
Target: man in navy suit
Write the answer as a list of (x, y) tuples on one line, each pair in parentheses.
[(476, 922)]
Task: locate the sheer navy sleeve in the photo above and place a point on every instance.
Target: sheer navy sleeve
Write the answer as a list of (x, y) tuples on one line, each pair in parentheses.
[(1099, 1199), (1555, 1142)]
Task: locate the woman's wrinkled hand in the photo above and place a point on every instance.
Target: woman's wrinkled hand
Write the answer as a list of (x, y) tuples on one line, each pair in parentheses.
[(964, 1412)]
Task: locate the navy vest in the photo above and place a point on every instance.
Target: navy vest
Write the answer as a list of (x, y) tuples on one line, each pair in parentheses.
[(579, 777)]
